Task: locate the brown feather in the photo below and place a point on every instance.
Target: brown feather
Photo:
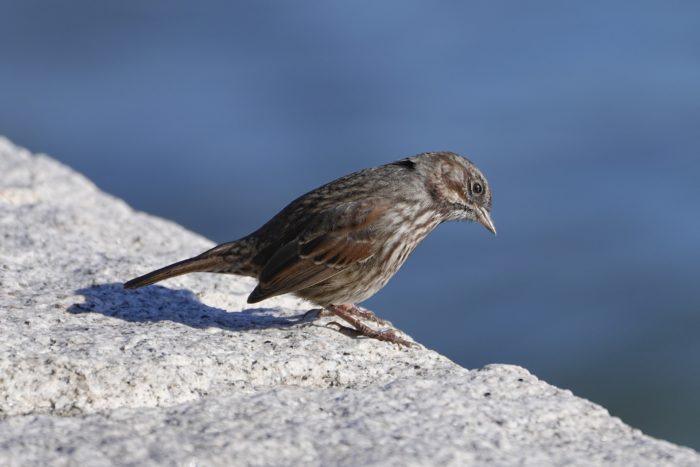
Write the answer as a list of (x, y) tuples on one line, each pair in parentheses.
[(196, 264), (309, 259)]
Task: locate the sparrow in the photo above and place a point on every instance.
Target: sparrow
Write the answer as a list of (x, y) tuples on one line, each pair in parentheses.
[(339, 244)]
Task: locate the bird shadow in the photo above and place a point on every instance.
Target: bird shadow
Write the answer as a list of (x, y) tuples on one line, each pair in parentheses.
[(157, 303)]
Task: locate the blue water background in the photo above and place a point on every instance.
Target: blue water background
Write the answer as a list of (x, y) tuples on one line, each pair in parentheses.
[(585, 117)]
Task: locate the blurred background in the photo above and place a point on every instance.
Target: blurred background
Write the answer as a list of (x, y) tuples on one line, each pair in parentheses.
[(585, 117)]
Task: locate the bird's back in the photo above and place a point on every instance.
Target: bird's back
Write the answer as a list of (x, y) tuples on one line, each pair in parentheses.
[(391, 183)]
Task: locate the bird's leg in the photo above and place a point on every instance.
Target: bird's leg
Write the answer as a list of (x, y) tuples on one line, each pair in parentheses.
[(364, 313), (355, 310), (344, 312)]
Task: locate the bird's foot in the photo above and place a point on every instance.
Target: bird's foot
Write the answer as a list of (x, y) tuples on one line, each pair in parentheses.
[(354, 310), (349, 313), (364, 313), (386, 336)]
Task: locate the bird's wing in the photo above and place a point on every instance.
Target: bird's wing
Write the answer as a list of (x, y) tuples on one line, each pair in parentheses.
[(332, 241)]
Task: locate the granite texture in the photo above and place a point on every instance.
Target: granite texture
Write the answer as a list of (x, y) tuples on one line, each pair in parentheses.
[(186, 373)]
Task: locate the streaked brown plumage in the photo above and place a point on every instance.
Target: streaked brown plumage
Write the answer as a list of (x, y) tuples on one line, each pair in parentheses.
[(340, 243)]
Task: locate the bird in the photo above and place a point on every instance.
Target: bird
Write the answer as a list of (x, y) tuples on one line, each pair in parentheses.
[(339, 244)]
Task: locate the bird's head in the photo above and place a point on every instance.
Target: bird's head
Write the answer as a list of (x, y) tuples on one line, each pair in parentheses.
[(458, 187)]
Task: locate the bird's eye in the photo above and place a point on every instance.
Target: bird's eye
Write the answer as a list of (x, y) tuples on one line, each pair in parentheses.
[(477, 188)]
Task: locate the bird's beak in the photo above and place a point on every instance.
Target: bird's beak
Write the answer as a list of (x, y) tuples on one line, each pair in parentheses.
[(484, 219)]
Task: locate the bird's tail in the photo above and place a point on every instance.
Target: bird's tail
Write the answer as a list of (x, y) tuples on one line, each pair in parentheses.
[(195, 264), (229, 257)]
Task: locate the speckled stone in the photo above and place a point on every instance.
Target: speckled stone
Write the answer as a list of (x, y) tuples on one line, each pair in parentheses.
[(187, 373)]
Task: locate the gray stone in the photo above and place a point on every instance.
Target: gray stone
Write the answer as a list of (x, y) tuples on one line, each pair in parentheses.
[(187, 373)]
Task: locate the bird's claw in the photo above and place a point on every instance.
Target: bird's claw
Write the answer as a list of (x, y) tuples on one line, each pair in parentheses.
[(386, 336), (347, 330)]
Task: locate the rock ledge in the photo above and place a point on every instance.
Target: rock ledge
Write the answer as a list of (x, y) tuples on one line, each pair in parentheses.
[(186, 372)]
